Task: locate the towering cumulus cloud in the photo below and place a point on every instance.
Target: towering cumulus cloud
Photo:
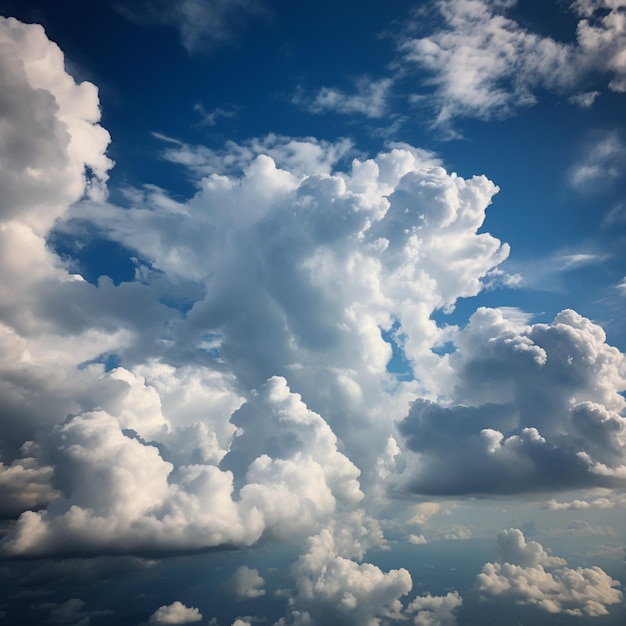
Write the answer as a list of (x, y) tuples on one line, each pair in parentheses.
[(238, 389), (293, 270)]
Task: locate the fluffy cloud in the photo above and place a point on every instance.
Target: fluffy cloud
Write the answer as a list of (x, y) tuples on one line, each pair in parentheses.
[(121, 495), (175, 613), (302, 266), (246, 583), (435, 610), (253, 397), (527, 574), (332, 586), (54, 145), (486, 64), (536, 397), (615, 499), (25, 484)]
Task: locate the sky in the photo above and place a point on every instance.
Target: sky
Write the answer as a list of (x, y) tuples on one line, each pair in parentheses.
[(312, 313)]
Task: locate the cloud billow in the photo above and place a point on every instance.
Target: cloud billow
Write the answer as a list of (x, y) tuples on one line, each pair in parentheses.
[(542, 411), (264, 407), (527, 574)]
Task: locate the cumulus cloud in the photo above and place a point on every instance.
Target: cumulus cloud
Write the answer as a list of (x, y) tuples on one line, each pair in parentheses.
[(121, 495), (51, 136), (615, 499), (175, 613), (246, 583), (331, 586), (536, 397), (485, 64), (252, 397), (25, 484), (435, 610), (527, 574), (301, 265)]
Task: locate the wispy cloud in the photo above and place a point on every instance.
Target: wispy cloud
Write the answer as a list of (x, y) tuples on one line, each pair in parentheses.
[(370, 99), (210, 118), (203, 25), (484, 64), (604, 162)]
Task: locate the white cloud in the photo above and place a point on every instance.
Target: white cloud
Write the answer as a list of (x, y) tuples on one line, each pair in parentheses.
[(485, 64), (527, 574), (50, 137), (369, 100), (601, 165), (331, 586), (246, 583), (534, 398), (435, 610), (612, 499), (121, 495), (303, 157), (315, 262), (422, 512), (265, 407), (175, 613)]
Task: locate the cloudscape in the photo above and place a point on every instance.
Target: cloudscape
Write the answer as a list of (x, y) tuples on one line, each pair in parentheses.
[(312, 313)]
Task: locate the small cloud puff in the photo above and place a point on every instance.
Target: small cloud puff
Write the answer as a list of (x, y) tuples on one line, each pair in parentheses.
[(246, 583), (175, 613), (370, 99)]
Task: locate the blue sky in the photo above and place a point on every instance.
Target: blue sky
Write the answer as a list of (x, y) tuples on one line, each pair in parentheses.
[(312, 313)]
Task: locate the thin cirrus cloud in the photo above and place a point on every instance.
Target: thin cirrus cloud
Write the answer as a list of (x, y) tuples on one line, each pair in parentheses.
[(601, 165), (369, 100), (203, 25)]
